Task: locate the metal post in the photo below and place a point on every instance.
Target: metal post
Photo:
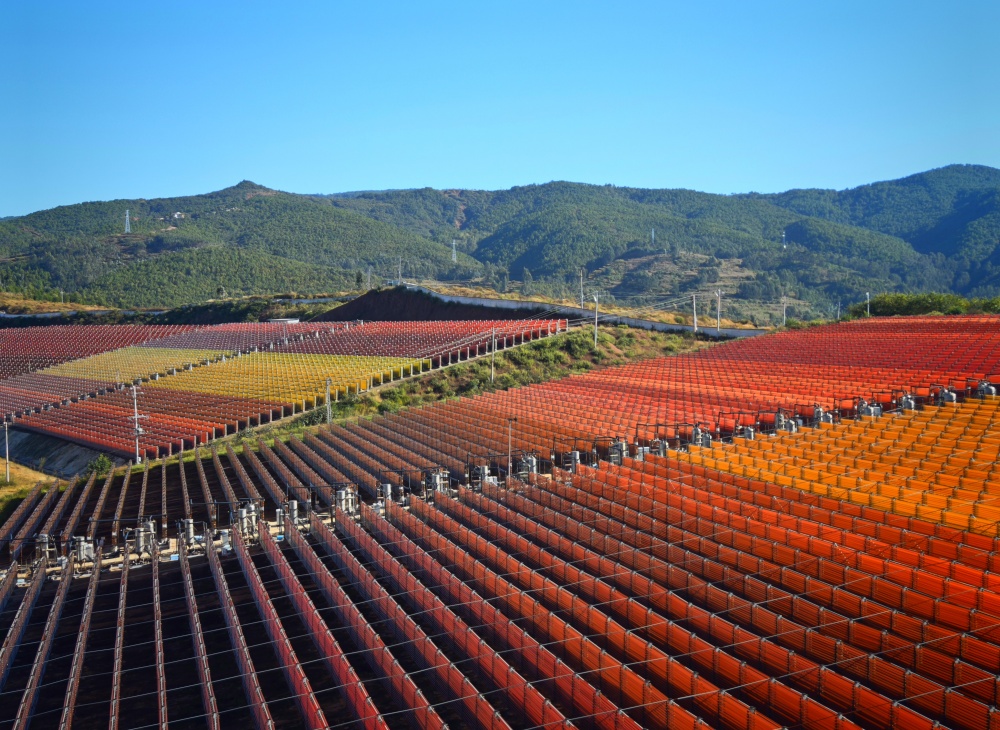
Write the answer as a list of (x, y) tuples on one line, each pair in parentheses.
[(694, 309), (6, 448), (718, 310), (868, 303), (581, 288), (838, 310), (510, 463), (597, 306), (783, 308), (493, 356), (329, 407), (138, 429)]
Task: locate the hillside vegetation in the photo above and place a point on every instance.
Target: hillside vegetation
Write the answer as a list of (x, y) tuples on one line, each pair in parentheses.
[(241, 240), (893, 305), (938, 230), (934, 231)]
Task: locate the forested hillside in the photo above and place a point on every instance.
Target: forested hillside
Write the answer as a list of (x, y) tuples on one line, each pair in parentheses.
[(246, 239), (939, 230), (935, 231)]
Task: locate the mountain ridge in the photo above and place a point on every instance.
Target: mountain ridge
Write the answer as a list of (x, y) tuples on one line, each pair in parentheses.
[(933, 230)]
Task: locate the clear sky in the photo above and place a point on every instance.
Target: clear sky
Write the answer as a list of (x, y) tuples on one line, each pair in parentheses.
[(103, 100)]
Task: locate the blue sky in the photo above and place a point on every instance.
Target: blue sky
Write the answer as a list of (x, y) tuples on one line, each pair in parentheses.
[(122, 100)]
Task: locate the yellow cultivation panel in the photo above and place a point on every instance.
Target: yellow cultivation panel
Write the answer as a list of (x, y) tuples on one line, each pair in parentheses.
[(939, 464), (284, 377), (129, 363)]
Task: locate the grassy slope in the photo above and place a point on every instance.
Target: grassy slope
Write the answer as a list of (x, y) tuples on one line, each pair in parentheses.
[(22, 481), (537, 362), (17, 304)]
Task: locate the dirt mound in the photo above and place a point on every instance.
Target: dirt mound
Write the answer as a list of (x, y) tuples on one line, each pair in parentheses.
[(402, 305)]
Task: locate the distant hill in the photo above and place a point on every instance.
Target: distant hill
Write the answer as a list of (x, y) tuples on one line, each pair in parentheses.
[(939, 230), (245, 239), (935, 231)]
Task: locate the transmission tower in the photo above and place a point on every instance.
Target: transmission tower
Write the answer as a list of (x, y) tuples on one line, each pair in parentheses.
[(454, 252), (128, 225), (137, 430)]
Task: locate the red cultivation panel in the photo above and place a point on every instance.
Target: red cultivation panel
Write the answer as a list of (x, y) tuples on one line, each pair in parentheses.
[(571, 687), (539, 711), (360, 703)]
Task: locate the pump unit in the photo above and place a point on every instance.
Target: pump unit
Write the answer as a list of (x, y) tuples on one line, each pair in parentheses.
[(144, 540), (700, 437), (907, 403), (435, 481), (224, 538), (865, 408), (526, 465), (347, 501), (618, 452), (820, 415), (83, 549), (985, 388), (44, 547), (293, 511), (658, 447), (571, 460), (187, 528), (947, 396), (784, 423), (746, 432), (387, 492)]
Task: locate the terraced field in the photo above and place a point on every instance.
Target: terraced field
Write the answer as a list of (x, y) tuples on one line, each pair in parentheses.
[(795, 531)]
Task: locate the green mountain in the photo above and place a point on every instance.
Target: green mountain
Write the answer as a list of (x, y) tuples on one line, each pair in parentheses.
[(935, 231), (246, 239), (939, 230)]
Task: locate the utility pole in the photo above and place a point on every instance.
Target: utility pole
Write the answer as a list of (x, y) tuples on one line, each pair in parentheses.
[(454, 252), (511, 420), (128, 224), (135, 418), (6, 448), (597, 305), (329, 408), (493, 355), (369, 278), (399, 278), (868, 302), (783, 309), (718, 311), (694, 309), (838, 310), (581, 287)]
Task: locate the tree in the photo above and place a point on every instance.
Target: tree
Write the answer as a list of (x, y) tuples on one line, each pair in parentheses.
[(358, 280)]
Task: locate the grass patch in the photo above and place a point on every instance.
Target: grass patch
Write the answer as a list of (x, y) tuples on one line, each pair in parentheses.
[(22, 481)]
